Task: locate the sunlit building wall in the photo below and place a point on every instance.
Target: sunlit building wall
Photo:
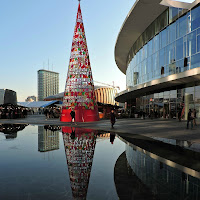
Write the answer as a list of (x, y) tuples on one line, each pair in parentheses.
[(48, 84), (47, 140)]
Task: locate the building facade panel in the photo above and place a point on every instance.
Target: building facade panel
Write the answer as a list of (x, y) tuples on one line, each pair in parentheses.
[(48, 84), (160, 63)]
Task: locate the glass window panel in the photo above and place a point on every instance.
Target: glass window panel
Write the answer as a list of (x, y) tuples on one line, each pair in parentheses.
[(172, 53), (173, 94), (172, 68), (173, 14), (195, 61), (189, 94), (163, 38), (149, 48), (183, 25), (198, 31), (195, 18), (179, 66), (156, 43), (177, 29), (172, 32), (198, 43), (179, 49), (191, 43), (161, 57), (197, 94)]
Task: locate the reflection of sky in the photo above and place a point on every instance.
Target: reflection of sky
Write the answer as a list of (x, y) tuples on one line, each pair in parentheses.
[(27, 173), (102, 174)]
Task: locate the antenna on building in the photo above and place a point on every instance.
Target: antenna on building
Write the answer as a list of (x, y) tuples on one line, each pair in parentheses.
[(48, 63)]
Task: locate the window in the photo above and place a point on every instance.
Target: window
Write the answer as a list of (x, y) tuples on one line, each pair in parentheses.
[(162, 70), (179, 49), (195, 18), (185, 62), (191, 43)]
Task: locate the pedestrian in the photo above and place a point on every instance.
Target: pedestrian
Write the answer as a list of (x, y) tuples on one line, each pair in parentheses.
[(179, 115), (190, 119), (143, 114), (73, 133), (112, 118), (112, 137), (72, 113), (195, 116)]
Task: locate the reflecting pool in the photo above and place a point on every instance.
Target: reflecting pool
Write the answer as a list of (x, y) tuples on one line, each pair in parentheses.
[(53, 162)]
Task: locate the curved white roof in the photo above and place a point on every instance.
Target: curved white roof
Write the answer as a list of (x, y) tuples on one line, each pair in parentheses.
[(141, 15)]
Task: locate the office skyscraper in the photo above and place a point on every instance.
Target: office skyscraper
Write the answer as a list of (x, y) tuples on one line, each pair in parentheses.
[(48, 83)]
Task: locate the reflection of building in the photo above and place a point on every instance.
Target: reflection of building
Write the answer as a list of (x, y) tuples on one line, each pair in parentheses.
[(164, 181), (8, 96), (48, 83), (11, 129), (79, 150), (31, 98), (160, 54), (48, 140), (170, 173)]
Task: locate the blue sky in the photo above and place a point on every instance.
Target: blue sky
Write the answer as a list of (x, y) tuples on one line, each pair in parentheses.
[(33, 31)]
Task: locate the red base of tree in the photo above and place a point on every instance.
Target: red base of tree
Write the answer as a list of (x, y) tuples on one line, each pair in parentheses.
[(81, 115)]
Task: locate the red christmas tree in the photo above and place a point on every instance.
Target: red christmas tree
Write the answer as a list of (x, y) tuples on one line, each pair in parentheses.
[(79, 91)]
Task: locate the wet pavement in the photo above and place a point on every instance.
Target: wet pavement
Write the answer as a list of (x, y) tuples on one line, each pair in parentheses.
[(161, 128), (62, 162)]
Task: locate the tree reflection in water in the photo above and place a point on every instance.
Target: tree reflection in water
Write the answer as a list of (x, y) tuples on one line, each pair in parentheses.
[(79, 150)]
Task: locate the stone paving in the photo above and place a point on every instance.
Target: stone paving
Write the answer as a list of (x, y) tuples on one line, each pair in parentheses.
[(172, 129)]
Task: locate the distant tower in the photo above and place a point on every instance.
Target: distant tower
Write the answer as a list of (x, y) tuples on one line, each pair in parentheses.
[(48, 83), (79, 90)]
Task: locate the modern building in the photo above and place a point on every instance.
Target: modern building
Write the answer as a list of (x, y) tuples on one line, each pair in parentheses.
[(48, 83), (48, 140), (8, 96), (104, 95), (159, 52), (31, 98)]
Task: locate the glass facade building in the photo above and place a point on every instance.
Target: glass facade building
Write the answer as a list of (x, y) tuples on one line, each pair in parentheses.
[(171, 50), (48, 84), (170, 45)]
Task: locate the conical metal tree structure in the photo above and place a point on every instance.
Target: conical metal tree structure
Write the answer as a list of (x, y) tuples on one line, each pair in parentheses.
[(79, 91), (79, 149)]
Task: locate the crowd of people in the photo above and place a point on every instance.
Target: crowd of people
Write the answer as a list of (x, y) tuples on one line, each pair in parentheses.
[(51, 112), (12, 112)]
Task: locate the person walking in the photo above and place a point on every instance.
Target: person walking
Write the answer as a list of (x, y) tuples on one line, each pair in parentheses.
[(195, 116), (143, 114), (179, 115), (112, 138), (72, 113), (112, 118), (189, 119)]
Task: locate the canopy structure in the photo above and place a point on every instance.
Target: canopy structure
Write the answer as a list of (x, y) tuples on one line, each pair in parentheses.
[(79, 90), (38, 104)]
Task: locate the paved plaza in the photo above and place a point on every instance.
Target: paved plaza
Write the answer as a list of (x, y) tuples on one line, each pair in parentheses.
[(164, 128)]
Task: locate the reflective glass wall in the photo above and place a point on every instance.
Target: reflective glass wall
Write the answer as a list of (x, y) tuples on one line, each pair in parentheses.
[(173, 50), (168, 104)]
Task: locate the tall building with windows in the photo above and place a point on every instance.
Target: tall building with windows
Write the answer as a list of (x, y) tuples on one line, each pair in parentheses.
[(48, 83), (158, 48)]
